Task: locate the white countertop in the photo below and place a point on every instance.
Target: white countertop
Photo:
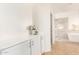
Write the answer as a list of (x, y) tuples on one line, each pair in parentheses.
[(4, 43)]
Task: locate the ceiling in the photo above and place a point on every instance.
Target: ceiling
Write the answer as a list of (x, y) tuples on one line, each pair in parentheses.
[(65, 7)]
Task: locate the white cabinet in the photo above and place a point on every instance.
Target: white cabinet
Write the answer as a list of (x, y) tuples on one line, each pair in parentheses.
[(36, 46), (30, 47), (20, 49)]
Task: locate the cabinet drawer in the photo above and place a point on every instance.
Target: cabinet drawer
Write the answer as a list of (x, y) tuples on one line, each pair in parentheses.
[(21, 49)]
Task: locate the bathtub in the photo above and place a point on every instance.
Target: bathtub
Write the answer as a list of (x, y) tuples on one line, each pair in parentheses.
[(73, 36)]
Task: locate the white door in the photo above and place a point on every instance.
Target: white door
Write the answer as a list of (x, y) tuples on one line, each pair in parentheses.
[(21, 49), (36, 46)]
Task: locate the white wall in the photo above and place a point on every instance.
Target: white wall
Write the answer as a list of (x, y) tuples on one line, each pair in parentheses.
[(41, 17), (14, 18)]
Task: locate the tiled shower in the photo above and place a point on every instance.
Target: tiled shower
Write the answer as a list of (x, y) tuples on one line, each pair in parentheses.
[(61, 28)]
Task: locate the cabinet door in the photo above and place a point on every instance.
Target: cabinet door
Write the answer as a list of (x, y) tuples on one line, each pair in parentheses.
[(36, 46), (21, 49)]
